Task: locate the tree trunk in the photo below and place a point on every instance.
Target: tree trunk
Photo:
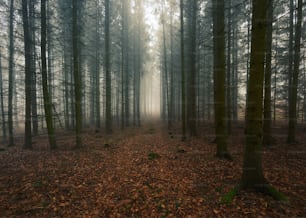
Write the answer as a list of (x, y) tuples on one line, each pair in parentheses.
[(47, 100), (183, 71), (2, 103), (295, 77), (28, 75), (11, 74), (290, 58), (76, 74), (108, 85), (229, 94), (192, 74), (252, 176), (267, 138), (33, 65), (219, 79)]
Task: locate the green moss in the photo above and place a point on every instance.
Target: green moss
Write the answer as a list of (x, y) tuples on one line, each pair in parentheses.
[(228, 198), (153, 155), (276, 194)]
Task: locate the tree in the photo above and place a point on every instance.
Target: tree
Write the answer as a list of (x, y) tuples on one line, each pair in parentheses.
[(219, 79), (183, 94), (252, 176), (295, 77), (267, 138), (47, 100), (191, 109), (108, 85), (76, 73), (28, 75), (11, 74), (2, 102)]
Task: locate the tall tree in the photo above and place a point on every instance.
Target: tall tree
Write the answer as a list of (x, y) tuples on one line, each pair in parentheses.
[(183, 94), (267, 138), (219, 79), (32, 30), (295, 76), (252, 175), (108, 85), (76, 74), (228, 67), (191, 109), (11, 74), (2, 102), (28, 75), (47, 100)]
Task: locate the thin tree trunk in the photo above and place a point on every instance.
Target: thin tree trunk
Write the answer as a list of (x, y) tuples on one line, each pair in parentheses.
[(47, 100), (33, 65), (2, 103), (165, 63), (267, 137), (290, 58), (229, 94), (108, 85), (183, 71), (192, 74), (28, 76), (11, 75), (219, 79), (295, 77), (76, 74)]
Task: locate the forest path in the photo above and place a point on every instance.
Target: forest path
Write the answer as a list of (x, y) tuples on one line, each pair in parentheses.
[(142, 172)]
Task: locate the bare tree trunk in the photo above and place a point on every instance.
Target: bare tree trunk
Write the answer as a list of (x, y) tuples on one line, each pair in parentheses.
[(295, 77), (28, 75), (192, 74), (77, 76), (2, 103), (33, 65), (11, 74), (183, 71), (229, 94), (108, 85), (219, 79), (47, 100), (252, 166), (267, 138)]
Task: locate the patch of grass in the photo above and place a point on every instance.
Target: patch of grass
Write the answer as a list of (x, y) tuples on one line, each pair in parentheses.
[(153, 156)]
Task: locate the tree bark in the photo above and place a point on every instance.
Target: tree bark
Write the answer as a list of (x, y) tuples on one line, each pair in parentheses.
[(4, 134), (267, 137), (219, 79), (46, 95), (183, 94), (28, 76), (295, 77), (108, 85), (11, 75), (252, 176), (76, 74)]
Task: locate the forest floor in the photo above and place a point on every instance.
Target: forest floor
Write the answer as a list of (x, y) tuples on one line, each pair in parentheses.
[(146, 172)]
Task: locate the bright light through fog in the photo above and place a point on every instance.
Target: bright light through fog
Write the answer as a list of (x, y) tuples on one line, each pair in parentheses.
[(151, 79)]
